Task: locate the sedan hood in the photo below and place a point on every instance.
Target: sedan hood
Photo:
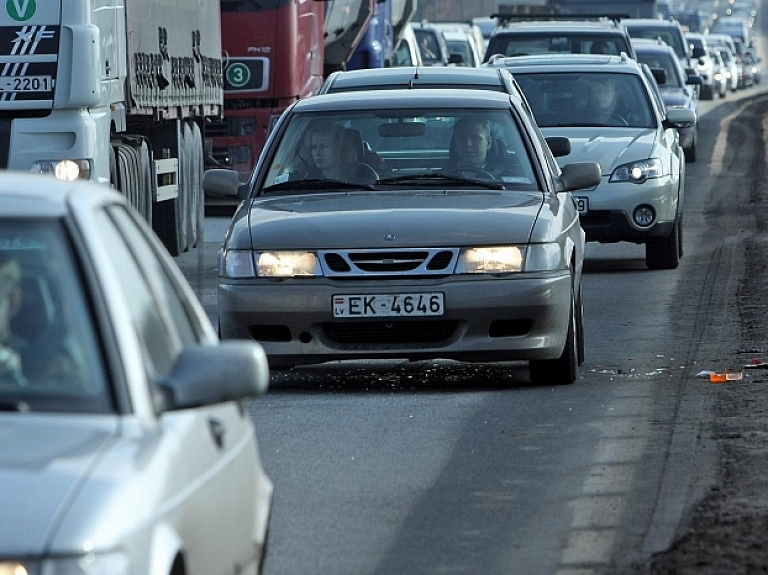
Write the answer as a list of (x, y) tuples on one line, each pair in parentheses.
[(610, 147), (676, 97), (44, 460), (390, 219)]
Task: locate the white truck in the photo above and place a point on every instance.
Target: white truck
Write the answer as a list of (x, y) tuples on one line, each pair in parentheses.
[(115, 91)]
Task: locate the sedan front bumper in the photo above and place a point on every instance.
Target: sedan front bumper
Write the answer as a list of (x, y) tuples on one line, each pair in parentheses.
[(501, 318)]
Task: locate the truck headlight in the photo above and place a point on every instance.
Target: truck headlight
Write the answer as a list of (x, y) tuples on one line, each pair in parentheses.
[(67, 170)]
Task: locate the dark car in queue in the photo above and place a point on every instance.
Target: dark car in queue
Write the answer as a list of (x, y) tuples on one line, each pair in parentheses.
[(125, 445), (428, 259), (677, 89)]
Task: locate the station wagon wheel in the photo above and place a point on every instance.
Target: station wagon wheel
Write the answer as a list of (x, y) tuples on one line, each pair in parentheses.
[(565, 369), (664, 253)]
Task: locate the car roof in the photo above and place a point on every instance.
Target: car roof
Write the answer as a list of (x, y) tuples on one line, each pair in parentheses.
[(418, 77), (35, 195), (389, 99), (646, 45), (567, 63), (575, 26), (651, 22)]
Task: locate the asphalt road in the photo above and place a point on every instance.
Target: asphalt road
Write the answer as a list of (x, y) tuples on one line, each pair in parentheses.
[(391, 468)]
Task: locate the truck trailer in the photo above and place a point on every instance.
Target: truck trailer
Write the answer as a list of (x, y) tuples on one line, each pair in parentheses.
[(118, 92)]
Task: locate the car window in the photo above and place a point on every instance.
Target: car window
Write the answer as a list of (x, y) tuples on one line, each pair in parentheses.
[(666, 63), (397, 143), (171, 299), (668, 34), (50, 356), (576, 99), (160, 344)]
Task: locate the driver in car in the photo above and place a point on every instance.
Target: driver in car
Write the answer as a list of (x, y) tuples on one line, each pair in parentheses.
[(470, 149)]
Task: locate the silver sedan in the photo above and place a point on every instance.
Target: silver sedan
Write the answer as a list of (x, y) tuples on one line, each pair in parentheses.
[(125, 448), (408, 224)]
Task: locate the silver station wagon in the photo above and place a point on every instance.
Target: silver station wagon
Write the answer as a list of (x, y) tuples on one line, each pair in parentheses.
[(413, 224)]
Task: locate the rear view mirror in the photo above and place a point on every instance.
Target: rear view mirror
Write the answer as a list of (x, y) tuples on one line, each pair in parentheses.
[(402, 130)]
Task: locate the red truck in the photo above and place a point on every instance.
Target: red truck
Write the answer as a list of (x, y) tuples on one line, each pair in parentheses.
[(274, 53)]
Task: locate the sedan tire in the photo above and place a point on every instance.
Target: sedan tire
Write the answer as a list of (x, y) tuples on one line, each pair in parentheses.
[(565, 369), (664, 253)]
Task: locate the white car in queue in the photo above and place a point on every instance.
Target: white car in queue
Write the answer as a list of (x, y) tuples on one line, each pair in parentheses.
[(401, 247), (126, 448), (605, 106)]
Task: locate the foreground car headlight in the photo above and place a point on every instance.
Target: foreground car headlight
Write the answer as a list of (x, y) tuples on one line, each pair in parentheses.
[(637, 172), (88, 564), (286, 264), (510, 259), (67, 170)]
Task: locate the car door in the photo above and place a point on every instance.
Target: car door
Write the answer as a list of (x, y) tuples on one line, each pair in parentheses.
[(207, 453)]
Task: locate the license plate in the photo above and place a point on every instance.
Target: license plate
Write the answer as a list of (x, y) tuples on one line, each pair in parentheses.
[(26, 83), (582, 204), (388, 305)]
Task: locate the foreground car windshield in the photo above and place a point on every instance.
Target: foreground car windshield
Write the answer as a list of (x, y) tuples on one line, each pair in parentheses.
[(587, 99), (393, 149), (49, 355)]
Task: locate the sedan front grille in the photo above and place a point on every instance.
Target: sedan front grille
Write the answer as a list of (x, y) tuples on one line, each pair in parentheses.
[(388, 263)]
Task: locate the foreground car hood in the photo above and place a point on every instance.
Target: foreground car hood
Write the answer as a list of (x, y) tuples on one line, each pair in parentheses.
[(364, 219), (43, 462), (610, 147)]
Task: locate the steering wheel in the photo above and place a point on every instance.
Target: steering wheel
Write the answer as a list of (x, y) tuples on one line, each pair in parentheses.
[(472, 172)]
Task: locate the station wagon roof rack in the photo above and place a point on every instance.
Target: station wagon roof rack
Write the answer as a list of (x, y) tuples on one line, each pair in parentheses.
[(506, 17)]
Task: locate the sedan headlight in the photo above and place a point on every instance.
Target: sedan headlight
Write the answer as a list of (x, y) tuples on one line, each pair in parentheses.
[(286, 264), (638, 172), (510, 259)]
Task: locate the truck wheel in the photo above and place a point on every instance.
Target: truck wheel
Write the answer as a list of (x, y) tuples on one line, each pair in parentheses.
[(182, 201), (199, 168)]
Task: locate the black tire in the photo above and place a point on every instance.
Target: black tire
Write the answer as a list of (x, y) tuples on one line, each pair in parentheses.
[(680, 236), (565, 369), (664, 253), (580, 340)]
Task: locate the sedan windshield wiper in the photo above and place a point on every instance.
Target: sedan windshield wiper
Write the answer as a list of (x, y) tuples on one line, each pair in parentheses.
[(315, 184), (440, 179)]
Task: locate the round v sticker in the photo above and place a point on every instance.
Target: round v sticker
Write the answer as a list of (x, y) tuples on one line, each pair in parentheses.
[(21, 10)]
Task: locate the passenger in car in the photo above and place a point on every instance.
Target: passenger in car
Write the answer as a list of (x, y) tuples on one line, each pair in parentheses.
[(33, 346), (474, 152), (334, 156), (10, 302)]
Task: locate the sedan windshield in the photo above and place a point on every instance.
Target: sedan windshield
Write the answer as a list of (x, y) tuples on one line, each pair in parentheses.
[(49, 356), (587, 99), (366, 150)]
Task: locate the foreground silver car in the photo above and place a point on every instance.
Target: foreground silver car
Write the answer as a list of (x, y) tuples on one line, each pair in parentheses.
[(406, 252), (125, 449)]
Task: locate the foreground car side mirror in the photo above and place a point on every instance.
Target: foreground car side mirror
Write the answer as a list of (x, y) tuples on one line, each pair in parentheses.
[(224, 184), (679, 117), (211, 374), (579, 176)]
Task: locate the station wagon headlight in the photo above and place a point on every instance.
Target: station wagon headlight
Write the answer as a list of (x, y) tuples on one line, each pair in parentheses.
[(510, 259), (638, 172), (286, 264)]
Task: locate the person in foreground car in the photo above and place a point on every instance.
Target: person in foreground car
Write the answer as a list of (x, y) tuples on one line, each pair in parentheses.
[(143, 460), (10, 300), (422, 264)]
